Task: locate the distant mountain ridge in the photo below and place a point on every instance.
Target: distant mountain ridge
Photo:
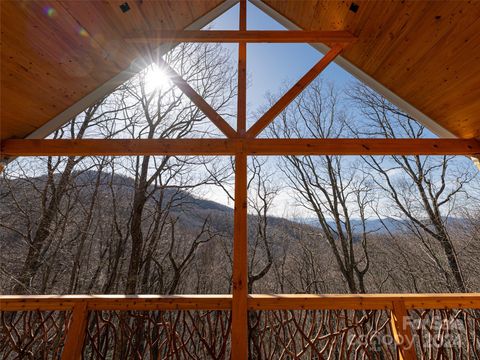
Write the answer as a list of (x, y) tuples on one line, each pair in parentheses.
[(371, 225), (200, 206)]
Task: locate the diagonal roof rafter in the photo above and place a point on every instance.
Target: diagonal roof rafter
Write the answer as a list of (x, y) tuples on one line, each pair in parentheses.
[(294, 91), (197, 99)]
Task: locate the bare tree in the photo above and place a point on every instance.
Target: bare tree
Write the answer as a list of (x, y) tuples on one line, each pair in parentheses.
[(262, 191), (166, 113), (328, 186), (423, 189), (55, 189), (69, 236)]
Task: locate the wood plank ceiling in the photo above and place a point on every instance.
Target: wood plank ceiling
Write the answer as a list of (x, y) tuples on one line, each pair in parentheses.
[(427, 52), (53, 53)]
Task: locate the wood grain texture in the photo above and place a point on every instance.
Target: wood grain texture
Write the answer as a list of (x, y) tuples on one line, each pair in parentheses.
[(240, 262), (127, 147), (115, 302), (53, 53), (76, 333), (426, 52), (255, 301), (401, 331), (362, 301), (239, 339), (56, 52), (250, 36), (242, 73)]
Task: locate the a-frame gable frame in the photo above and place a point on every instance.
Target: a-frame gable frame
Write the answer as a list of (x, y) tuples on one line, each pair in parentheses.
[(139, 64)]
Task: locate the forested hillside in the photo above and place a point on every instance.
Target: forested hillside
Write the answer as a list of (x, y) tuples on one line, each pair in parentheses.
[(190, 241)]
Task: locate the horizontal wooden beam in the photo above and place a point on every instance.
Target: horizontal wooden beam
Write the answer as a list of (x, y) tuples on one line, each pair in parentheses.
[(117, 147), (224, 302), (362, 301), (115, 302), (363, 147), (187, 147), (249, 36)]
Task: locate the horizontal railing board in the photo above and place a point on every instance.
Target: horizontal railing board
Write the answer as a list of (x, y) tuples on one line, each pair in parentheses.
[(117, 302), (362, 301), (224, 302)]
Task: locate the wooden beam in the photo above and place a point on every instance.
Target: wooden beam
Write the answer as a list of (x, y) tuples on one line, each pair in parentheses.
[(214, 117), (291, 94), (316, 302), (239, 337), (362, 147), (250, 36), (268, 147), (115, 302), (117, 147), (401, 331), (76, 333), (240, 262), (255, 301), (362, 301), (242, 74)]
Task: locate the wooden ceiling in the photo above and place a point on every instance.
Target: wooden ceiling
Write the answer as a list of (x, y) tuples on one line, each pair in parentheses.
[(426, 52), (53, 53)]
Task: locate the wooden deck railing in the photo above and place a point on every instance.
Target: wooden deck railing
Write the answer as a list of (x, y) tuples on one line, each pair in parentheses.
[(280, 326)]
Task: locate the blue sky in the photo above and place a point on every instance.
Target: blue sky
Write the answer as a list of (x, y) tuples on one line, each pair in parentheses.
[(271, 66)]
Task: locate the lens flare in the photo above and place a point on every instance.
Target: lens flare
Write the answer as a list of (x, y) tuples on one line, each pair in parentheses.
[(83, 32), (50, 11)]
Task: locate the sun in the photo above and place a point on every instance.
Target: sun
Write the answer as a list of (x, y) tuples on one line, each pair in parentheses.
[(156, 79)]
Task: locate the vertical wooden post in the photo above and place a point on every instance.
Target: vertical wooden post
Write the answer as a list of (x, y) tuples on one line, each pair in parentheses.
[(239, 337), (240, 263), (401, 331), (242, 73), (77, 327)]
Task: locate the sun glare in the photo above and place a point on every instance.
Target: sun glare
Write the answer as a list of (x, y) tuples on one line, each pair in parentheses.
[(156, 79)]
